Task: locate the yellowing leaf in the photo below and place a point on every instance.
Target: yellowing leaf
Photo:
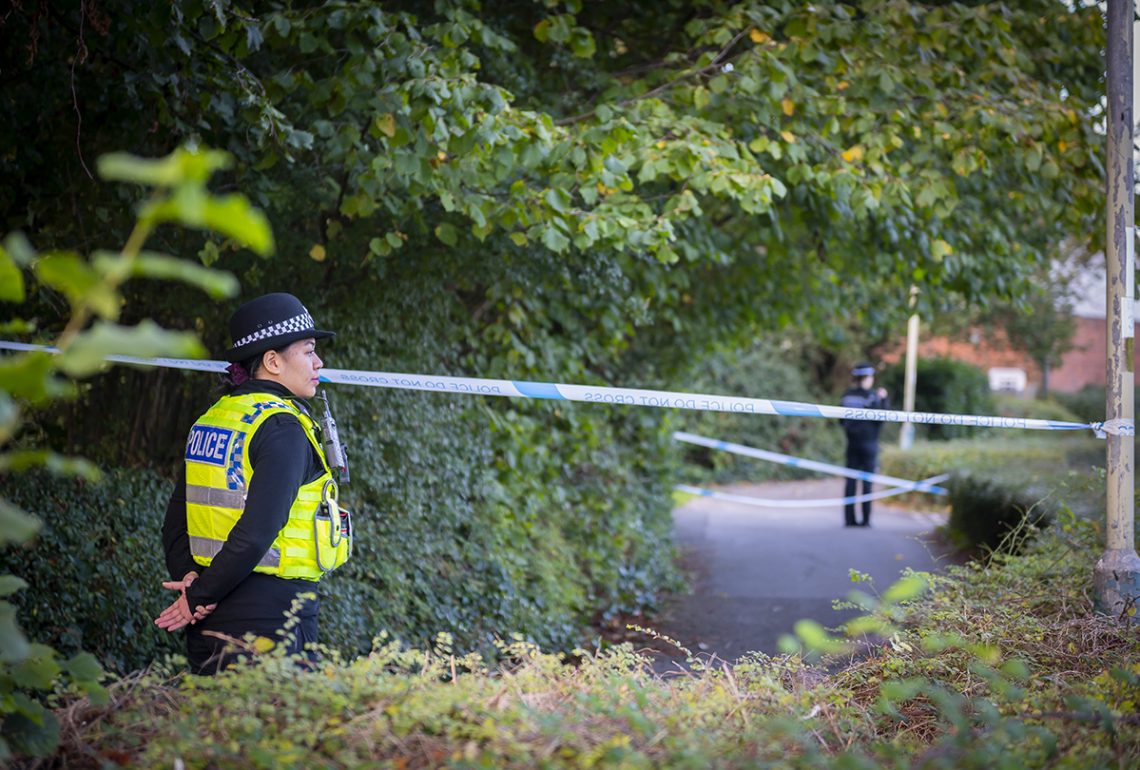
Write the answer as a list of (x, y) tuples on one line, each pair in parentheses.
[(441, 155), (789, 107), (843, 85), (940, 249), (262, 644), (759, 37), (1062, 145), (788, 137), (318, 253), (386, 124), (660, 144), (853, 154)]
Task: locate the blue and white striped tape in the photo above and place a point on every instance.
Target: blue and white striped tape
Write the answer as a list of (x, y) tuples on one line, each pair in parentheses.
[(598, 394), (795, 462), (762, 502)]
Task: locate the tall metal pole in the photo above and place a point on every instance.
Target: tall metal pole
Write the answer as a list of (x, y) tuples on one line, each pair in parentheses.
[(910, 379), (1117, 574)]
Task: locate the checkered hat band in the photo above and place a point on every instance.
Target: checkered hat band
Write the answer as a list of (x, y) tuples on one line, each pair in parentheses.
[(298, 323)]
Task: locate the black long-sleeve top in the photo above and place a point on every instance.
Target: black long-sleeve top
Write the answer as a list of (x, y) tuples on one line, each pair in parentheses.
[(283, 460), (863, 432)]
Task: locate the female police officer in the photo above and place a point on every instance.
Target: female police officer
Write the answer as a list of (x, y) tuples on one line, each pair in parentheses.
[(253, 522)]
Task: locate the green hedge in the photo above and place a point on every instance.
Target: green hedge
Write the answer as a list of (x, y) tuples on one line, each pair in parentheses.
[(996, 479), (526, 519), (944, 386), (1044, 454), (1034, 408), (1087, 403), (991, 512), (96, 568)]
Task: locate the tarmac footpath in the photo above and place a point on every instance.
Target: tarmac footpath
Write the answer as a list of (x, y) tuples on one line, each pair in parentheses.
[(754, 572)]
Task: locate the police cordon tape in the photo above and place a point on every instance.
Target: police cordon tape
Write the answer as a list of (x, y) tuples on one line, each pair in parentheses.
[(795, 462), (762, 502), (600, 394)]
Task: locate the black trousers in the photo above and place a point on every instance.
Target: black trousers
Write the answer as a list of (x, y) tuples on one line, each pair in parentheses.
[(860, 457), (208, 654)]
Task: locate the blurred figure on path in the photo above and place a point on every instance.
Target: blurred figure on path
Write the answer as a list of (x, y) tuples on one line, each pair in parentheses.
[(862, 436)]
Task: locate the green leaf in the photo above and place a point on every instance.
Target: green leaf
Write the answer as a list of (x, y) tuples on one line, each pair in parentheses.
[(17, 326), (217, 284), (899, 690), (553, 239), (886, 84), (814, 636), (37, 737), (67, 273), (19, 249), (908, 588), (582, 43), (866, 624), (11, 278), (29, 376), (14, 645), (61, 465), (181, 166), (16, 526), (447, 233), (37, 671), (542, 31), (231, 215), (10, 584), (84, 666), (89, 352), (557, 199)]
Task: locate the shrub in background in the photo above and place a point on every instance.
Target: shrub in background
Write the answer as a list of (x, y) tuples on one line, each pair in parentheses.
[(943, 386), (1034, 408), (991, 512), (763, 371), (997, 479), (96, 568), (1087, 403)]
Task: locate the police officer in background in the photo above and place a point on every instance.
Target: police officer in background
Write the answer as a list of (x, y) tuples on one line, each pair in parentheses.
[(862, 437), (253, 521)]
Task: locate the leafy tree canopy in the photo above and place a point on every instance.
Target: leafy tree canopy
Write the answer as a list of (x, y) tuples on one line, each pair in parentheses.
[(574, 174)]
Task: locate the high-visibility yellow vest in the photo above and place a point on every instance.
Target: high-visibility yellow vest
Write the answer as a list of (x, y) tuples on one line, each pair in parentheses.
[(316, 539)]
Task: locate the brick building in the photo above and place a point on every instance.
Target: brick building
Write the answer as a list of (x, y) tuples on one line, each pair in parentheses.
[(1083, 365)]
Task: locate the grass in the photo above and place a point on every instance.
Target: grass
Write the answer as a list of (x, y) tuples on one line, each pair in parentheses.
[(1001, 663)]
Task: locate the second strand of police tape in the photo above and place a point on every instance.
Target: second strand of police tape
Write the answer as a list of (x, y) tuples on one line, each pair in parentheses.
[(898, 486)]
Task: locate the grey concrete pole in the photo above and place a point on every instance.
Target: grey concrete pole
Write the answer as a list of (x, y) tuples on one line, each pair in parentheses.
[(1117, 574)]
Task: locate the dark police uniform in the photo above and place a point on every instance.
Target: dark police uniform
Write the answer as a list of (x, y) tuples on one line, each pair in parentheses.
[(862, 448)]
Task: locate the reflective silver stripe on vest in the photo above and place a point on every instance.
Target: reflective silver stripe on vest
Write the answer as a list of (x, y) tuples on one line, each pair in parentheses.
[(199, 494), (208, 548)]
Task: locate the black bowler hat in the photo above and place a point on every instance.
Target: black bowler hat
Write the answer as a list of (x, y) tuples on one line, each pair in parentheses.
[(269, 322)]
